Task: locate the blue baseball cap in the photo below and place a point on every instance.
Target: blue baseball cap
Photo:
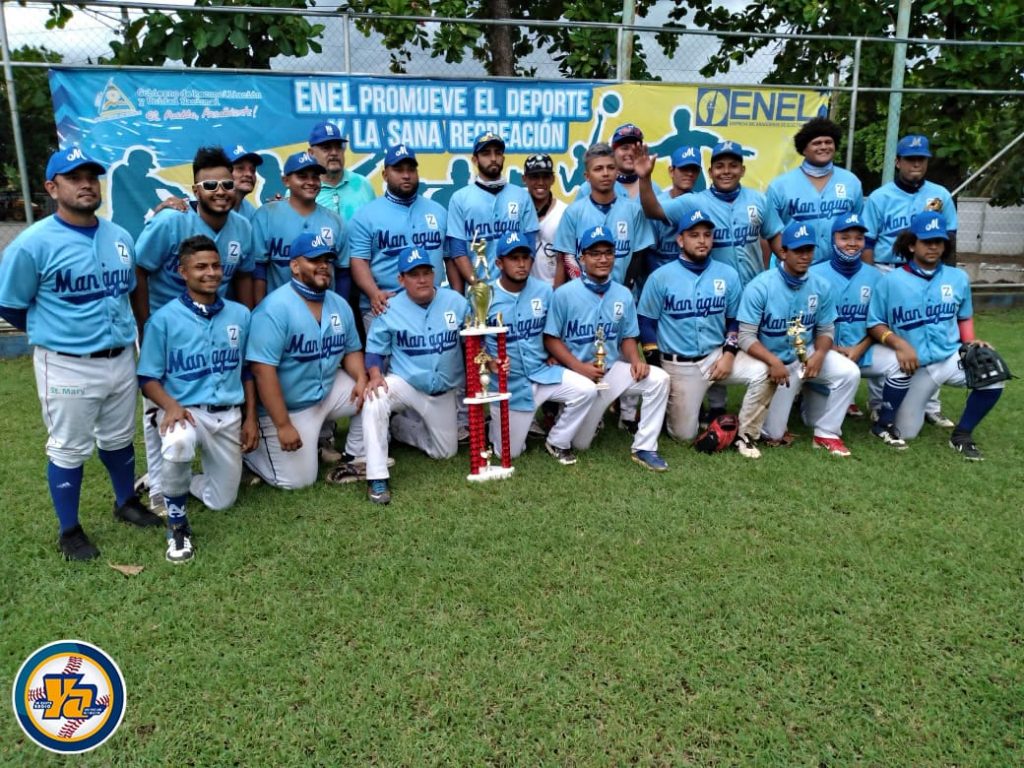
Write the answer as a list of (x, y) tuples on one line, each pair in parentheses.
[(691, 216), (684, 157), (513, 241), (67, 160), (410, 258), (913, 146), (324, 132), (399, 153), (594, 236), (798, 234), (727, 148), (486, 139), (624, 134), (238, 152), (310, 245), (847, 222), (300, 161), (928, 225)]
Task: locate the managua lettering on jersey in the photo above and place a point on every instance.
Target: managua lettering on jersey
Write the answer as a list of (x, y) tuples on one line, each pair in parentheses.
[(740, 235), (488, 230), (79, 289), (807, 210), (779, 326), (196, 365), (525, 328), (426, 344), (391, 244), (854, 312), (578, 331), (912, 317), (304, 350), (705, 306)]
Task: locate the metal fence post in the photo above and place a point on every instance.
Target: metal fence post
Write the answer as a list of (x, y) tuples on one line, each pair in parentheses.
[(625, 51), (346, 22), (854, 82), (899, 66), (12, 102)]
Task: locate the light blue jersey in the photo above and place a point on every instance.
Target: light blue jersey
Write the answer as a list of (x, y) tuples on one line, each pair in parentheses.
[(158, 244), (423, 342), (622, 217), (888, 211), (576, 312), (73, 284), (852, 296), (381, 229), (924, 312), (345, 198), (794, 198), (524, 314), (770, 304), (621, 190), (475, 212), (285, 334), (275, 227), (247, 209), (196, 359), (739, 227), (666, 249), (690, 308)]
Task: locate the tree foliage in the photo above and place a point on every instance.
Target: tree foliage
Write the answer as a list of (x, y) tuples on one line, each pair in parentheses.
[(35, 115)]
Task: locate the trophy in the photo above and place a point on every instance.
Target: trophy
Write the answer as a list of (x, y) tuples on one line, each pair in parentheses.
[(600, 355), (796, 331), (478, 376)]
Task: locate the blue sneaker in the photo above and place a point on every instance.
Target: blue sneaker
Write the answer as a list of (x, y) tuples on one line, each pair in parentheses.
[(378, 491), (651, 460)]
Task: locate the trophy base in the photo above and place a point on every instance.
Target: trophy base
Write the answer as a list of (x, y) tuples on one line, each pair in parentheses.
[(601, 385), (489, 473), (487, 330), (497, 397)]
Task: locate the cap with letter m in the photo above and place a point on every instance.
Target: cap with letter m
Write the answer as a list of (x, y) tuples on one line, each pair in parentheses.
[(325, 132), (928, 225), (913, 146), (727, 148), (798, 234), (311, 245), (399, 153), (410, 258), (513, 241), (67, 160), (594, 236), (685, 157), (848, 222), (300, 161), (692, 216), (238, 152)]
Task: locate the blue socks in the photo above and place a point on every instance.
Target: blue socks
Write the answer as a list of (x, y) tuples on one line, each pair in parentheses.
[(176, 510), (65, 490), (893, 392), (979, 403), (120, 465)]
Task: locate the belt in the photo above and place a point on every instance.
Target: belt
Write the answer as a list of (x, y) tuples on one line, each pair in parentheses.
[(112, 352), (681, 358), (214, 408)]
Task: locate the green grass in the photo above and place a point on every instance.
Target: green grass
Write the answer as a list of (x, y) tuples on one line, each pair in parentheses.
[(801, 610)]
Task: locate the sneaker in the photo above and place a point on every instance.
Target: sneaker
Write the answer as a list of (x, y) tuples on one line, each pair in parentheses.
[(157, 504), (345, 473), (564, 455), (378, 492), (135, 512), (938, 420), (141, 484), (889, 435), (651, 460), (179, 544), (537, 430), (327, 452), (360, 461), (629, 425), (463, 435), (833, 445), (875, 414), (787, 439), (965, 446), (75, 545), (854, 412), (746, 447)]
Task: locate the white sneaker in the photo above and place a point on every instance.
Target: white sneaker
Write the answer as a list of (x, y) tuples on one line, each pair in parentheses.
[(327, 452), (747, 448), (939, 420), (179, 544)]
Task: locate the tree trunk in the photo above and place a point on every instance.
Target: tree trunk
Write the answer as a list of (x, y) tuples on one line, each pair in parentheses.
[(501, 62)]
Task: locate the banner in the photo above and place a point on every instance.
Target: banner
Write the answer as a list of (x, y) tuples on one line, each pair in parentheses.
[(146, 126)]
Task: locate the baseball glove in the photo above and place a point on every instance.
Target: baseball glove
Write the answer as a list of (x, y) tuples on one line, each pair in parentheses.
[(719, 434), (982, 366)]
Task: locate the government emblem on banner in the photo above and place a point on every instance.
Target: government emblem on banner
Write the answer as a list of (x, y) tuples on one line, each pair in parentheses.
[(112, 103)]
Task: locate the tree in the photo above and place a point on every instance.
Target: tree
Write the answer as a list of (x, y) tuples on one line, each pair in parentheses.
[(35, 113)]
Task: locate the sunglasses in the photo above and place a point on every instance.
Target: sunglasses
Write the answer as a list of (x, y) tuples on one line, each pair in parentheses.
[(210, 185)]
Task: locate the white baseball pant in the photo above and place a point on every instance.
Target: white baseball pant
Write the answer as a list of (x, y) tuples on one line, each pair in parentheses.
[(218, 433), (575, 392), (839, 375), (689, 382), (882, 360), (154, 445), (297, 469), (434, 431), (653, 391), (85, 402)]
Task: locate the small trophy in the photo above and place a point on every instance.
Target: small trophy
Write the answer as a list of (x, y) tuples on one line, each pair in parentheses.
[(796, 331), (600, 355), (480, 291)]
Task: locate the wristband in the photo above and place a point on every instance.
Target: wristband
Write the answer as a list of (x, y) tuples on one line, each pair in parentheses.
[(885, 336)]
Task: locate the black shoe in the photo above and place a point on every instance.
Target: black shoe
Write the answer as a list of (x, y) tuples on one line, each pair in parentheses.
[(134, 511), (964, 445), (75, 545)]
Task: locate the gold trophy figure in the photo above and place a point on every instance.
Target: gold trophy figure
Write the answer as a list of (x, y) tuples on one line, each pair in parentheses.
[(480, 290), (796, 331), (600, 355)]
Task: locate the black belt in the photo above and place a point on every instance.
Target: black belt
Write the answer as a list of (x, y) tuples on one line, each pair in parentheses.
[(681, 358), (214, 408), (112, 352)]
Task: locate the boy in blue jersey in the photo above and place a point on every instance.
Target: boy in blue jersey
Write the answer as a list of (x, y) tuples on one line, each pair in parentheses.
[(819, 191), (485, 210), (578, 310), (626, 143), (923, 313), (539, 178), (66, 281), (191, 366), (299, 335), (523, 301), (684, 169), (420, 334), (613, 213), (382, 229), (278, 223), (770, 305), (342, 191), (688, 314)]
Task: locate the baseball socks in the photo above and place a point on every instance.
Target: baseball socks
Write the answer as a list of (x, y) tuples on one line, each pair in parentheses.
[(120, 466), (65, 490), (979, 403), (179, 532)]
